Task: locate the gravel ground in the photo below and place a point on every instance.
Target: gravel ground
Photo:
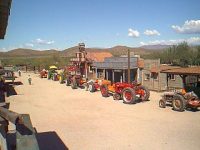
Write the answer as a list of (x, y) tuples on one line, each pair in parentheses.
[(84, 120)]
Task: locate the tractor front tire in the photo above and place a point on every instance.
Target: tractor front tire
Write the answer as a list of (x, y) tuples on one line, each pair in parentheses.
[(146, 93), (162, 103), (74, 84), (128, 95), (91, 87), (61, 79), (104, 90), (116, 96), (178, 103)]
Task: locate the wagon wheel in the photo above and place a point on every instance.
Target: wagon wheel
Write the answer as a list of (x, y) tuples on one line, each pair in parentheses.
[(116, 96), (128, 95), (143, 92), (162, 103), (104, 90), (91, 87), (178, 103)]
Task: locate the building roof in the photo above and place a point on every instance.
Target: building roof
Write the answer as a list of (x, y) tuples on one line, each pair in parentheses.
[(4, 14), (184, 71), (162, 68), (98, 56), (117, 63)]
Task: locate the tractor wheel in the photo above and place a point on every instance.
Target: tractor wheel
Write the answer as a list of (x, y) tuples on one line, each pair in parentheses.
[(128, 95), (61, 79), (162, 103), (116, 96), (48, 75), (144, 93), (74, 84), (104, 90), (178, 103), (67, 82), (91, 87)]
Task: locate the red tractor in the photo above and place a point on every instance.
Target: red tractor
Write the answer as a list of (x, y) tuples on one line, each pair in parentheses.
[(43, 74), (74, 78), (129, 92)]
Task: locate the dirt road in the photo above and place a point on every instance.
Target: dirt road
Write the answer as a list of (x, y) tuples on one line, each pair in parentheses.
[(88, 121)]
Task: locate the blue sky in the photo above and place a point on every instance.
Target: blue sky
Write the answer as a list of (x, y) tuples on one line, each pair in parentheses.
[(51, 24)]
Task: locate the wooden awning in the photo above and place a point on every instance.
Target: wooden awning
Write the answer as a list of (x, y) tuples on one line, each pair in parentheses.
[(4, 15), (184, 71)]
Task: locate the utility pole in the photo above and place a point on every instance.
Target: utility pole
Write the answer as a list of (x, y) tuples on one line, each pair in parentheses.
[(129, 71)]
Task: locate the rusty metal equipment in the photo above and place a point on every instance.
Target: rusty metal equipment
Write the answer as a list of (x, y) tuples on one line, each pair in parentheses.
[(180, 101), (25, 134)]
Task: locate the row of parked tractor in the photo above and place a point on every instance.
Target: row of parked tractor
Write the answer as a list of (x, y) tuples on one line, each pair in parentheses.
[(130, 93)]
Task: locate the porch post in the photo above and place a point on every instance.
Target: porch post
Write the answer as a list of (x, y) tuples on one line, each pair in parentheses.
[(123, 75), (96, 72), (106, 74), (113, 76)]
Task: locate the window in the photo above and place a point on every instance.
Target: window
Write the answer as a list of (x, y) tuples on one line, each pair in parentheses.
[(147, 76), (171, 76), (154, 76), (90, 69)]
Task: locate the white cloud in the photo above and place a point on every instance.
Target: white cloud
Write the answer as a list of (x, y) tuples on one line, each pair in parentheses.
[(3, 49), (133, 33), (43, 42), (189, 27), (190, 41), (151, 32), (29, 45)]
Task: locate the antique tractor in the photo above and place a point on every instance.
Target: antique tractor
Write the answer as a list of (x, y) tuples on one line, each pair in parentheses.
[(180, 100), (43, 73), (129, 92), (94, 85), (51, 72), (74, 78)]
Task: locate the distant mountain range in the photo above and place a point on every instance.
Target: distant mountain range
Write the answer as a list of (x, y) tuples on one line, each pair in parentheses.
[(70, 52)]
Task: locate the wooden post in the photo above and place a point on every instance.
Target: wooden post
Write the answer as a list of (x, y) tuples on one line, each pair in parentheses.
[(113, 76), (129, 71), (124, 76)]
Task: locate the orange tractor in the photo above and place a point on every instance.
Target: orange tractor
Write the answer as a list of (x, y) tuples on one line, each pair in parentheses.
[(129, 92)]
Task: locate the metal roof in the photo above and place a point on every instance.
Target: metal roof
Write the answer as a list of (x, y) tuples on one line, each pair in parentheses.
[(117, 63), (4, 14)]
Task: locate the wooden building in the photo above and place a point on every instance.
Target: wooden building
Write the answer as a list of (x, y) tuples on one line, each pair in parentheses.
[(162, 77), (115, 69)]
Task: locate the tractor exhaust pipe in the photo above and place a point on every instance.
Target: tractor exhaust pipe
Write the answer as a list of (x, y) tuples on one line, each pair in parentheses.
[(129, 70)]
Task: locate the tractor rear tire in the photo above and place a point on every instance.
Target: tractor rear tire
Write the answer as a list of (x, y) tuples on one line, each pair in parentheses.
[(116, 96), (128, 95), (104, 90), (91, 87), (74, 84), (146, 91), (178, 103), (162, 103), (67, 82)]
